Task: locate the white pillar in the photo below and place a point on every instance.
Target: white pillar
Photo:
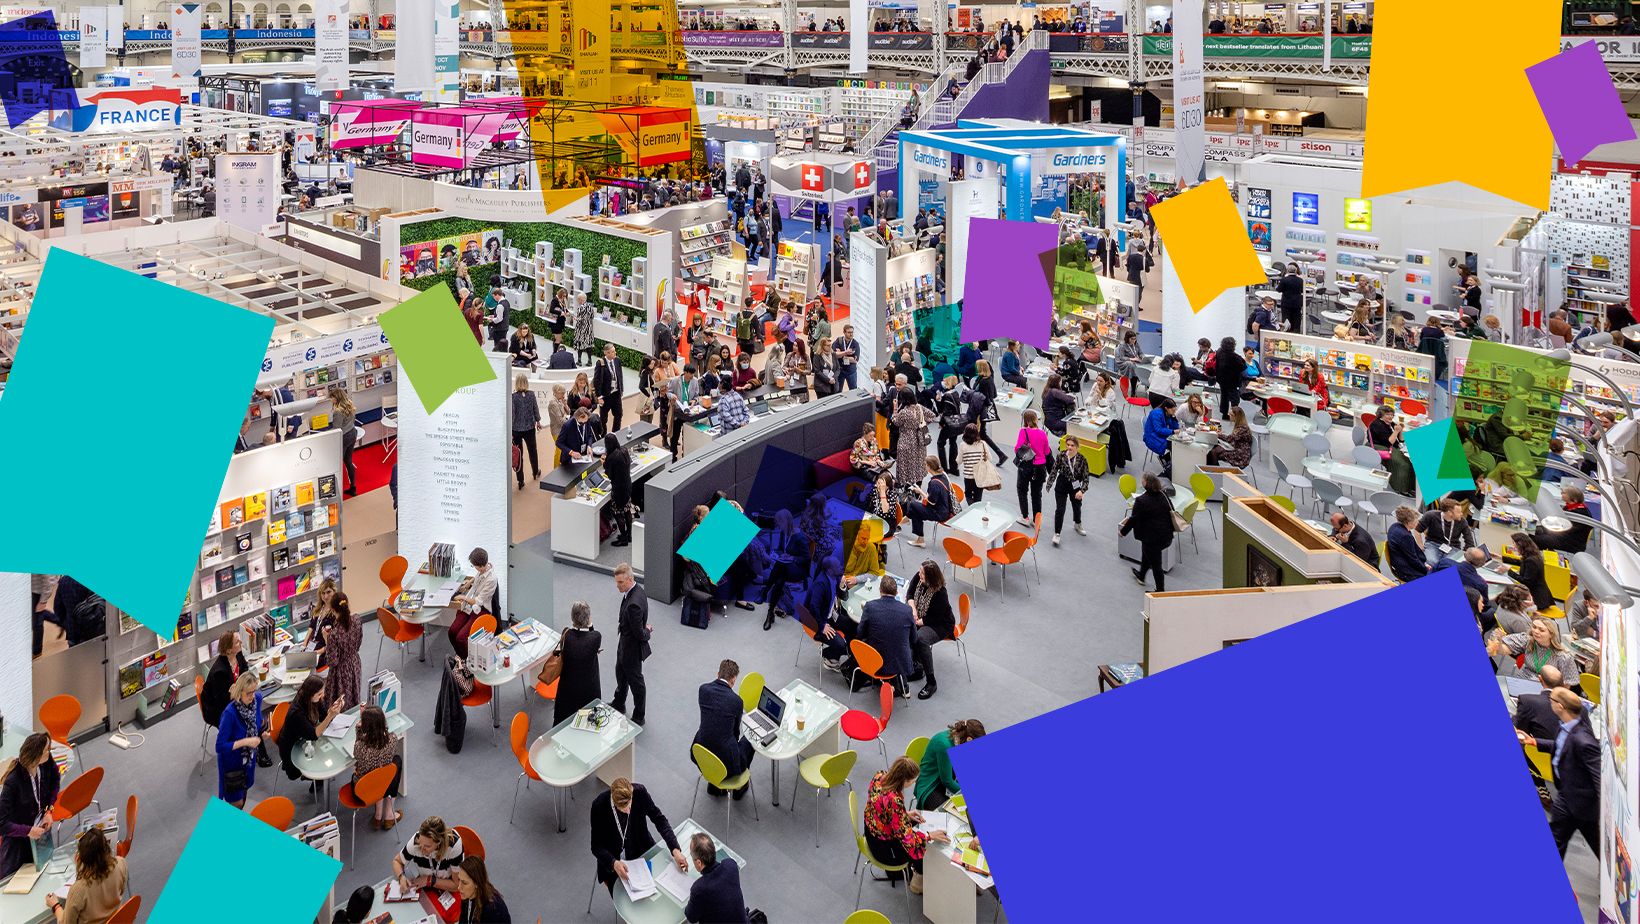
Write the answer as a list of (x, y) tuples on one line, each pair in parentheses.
[(1224, 316)]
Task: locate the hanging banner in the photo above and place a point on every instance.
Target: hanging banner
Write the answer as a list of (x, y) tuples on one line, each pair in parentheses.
[(413, 46), (93, 36), (859, 35), (446, 51), (330, 55), (1189, 94), (589, 54), (185, 18), (114, 21), (247, 189), (366, 123)]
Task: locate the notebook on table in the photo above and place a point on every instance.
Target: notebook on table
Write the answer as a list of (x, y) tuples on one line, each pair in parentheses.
[(763, 723)]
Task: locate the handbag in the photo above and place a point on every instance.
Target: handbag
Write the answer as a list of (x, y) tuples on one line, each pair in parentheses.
[(235, 781), (553, 667), (987, 475), (1179, 523), (1025, 455), (458, 669)]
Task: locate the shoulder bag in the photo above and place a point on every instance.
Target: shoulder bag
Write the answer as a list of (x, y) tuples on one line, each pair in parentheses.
[(987, 475), (554, 665), (458, 669), (1179, 523)]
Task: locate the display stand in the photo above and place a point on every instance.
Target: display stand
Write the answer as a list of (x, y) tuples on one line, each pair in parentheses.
[(324, 834), (1476, 394), (1590, 288), (1359, 376), (797, 271), (699, 244), (908, 288)]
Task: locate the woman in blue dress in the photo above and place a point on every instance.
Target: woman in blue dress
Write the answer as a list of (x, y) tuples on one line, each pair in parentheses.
[(238, 734)]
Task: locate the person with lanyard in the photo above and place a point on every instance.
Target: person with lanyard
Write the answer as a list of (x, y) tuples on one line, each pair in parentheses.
[(495, 315), (240, 733), (1575, 766), (609, 384), (1448, 525), (578, 434), (847, 351), (481, 902), (621, 817), (28, 790), (687, 390), (1537, 646)]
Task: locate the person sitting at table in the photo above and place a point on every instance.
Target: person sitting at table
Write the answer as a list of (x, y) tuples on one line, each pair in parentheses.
[(1538, 646), (1583, 615), (719, 732), (621, 816), (833, 628), (1354, 537), (28, 790), (523, 348), (1513, 611), (430, 859), (1057, 403), (1012, 369), (579, 434), (866, 458), (1310, 376), (305, 720), (888, 625), (934, 502), (714, 898), (481, 902), (1468, 567), (100, 879), (474, 599), (881, 500), (229, 664), (934, 620), (788, 555), (239, 732), (1255, 369), (1194, 413), (1164, 380), (1385, 430), (936, 778), (1406, 552), (1530, 572), (1569, 541), (745, 378), (891, 828), (1447, 524), (375, 747), (1159, 427), (1070, 369), (1234, 449)]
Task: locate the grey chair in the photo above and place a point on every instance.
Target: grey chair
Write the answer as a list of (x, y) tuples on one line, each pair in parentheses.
[(1329, 495), (1295, 482), (1366, 455), (1316, 444), (1323, 421), (1259, 423)]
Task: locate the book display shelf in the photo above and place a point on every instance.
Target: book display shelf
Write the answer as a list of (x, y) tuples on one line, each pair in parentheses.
[(1358, 375), (797, 271), (1479, 392), (371, 380), (699, 244)]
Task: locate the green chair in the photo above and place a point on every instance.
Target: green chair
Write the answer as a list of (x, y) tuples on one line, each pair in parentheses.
[(915, 749), (1201, 485), (824, 771), (1128, 485), (751, 688), (1284, 502), (713, 771), (1189, 513), (866, 916), (859, 822)]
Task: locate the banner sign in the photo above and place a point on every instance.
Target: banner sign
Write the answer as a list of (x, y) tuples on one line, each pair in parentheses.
[(290, 358), (151, 110), (901, 41), (330, 53), (744, 39), (859, 11), (247, 189), (413, 48), (589, 50), (1189, 93), (446, 51), (185, 41), (365, 123), (93, 36), (838, 40), (452, 137), (1357, 47)]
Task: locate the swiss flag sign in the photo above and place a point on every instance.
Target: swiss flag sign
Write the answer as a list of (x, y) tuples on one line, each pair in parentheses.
[(861, 174), (813, 177)]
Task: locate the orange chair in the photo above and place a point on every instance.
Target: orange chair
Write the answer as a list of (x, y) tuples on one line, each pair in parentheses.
[(484, 622), (1034, 536), (546, 690), (471, 844), (277, 812), (126, 913), (276, 723), (364, 794), (392, 575), (481, 695), (58, 716), (1011, 553), (964, 607), (396, 630), (804, 620), (520, 735), (124, 846), (859, 725), (960, 555), (210, 723), (79, 793), (959, 497), (868, 661)]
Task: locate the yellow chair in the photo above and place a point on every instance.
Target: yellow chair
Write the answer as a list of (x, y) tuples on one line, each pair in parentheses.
[(859, 823), (1591, 687), (1540, 761), (1284, 502), (915, 749), (867, 916), (1128, 485), (1189, 514), (1201, 485), (824, 771), (714, 773), (751, 689), (1559, 579)]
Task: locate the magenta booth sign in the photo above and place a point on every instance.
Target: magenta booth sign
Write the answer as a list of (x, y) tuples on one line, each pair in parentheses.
[(452, 137), (368, 123)]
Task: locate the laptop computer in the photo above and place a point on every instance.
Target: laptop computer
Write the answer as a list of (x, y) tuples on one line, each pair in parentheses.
[(301, 660), (763, 723)]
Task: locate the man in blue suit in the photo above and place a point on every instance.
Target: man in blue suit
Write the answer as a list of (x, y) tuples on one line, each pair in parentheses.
[(888, 625), (1468, 569), (715, 898), (720, 711)]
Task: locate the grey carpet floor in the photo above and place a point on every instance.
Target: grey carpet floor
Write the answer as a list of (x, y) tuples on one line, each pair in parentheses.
[(1017, 674)]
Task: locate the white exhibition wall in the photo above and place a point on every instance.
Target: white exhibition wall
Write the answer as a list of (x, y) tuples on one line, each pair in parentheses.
[(1187, 625), (1224, 316), (16, 647)]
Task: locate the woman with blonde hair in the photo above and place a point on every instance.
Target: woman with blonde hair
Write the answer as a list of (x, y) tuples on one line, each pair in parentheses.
[(580, 394), (346, 420), (239, 734), (526, 419), (430, 859), (323, 615), (1538, 646)]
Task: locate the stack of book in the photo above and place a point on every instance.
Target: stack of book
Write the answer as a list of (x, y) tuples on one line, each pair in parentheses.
[(322, 833), (483, 651), (385, 691), (441, 559)]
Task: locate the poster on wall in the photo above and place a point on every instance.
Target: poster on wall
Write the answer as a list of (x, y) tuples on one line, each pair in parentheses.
[(28, 217), (185, 41), (1259, 233), (330, 55), (247, 189), (1306, 208), (93, 36), (124, 205), (1258, 202), (1358, 214)]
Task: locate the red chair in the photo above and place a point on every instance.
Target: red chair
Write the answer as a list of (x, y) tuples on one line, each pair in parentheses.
[(124, 847), (859, 725), (1122, 384), (78, 794), (471, 844), (397, 631), (1413, 408), (365, 794), (1278, 406), (126, 913)]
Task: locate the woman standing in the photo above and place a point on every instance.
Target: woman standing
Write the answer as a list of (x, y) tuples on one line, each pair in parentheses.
[(28, 790), (324, 614), (1070, 482), (910, 454), (1229, 369), (1235, 449), (526, 419), (774, 365), (825, 370), (306, 720), (618, 468), (971, 458), (1151, 521), (472, 310), (891, 828), (239, 733), (578, 681), (1031, 452), (346, 420), (666, 369), (935, 621), (557, 409), (1310, 376), (580, 394), (99, 885), (585, 345), (1164, 382), (375, 747), (1530, 574), (480, 902), (987, 387), (346, 635)]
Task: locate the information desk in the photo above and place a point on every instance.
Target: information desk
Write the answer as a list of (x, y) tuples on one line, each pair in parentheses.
[(517, 663), (951, 891), (333, 757), (559, 480), (760, 402), (576, 521), (820, 734), (437, 593), (566, 755), (663, 907)]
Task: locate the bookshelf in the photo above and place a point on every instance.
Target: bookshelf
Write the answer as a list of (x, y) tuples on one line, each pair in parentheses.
[(698, 244), (909, 287), (371, 380), (1475, 392), (1590, 287), (796, 271), (275, 534), (1358, 375)]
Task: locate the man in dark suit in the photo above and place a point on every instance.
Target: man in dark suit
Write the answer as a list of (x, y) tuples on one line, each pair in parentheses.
[(888, 625), (607, 384), (1575, 764), (715, 898), (1534, 712), (1468, 569), (1406, 556), (561, 358), (720, 711), (1291, 287), (632, 642), (1354, 537)]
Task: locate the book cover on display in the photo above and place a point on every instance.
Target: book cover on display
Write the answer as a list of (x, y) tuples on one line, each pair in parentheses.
[(331, 568), (224, 579), (241, 574), (281, 616), (327, 545), (304, 493), (295, 525), (304, 583), (258, 568), (333, 515), (283, 499), (232, 513), (281, 559), (327, 487), (276, 531), (256, 505), (287, 587), (130, 679), (305, 551), (211, 551), (242, 543), (302, 612)]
